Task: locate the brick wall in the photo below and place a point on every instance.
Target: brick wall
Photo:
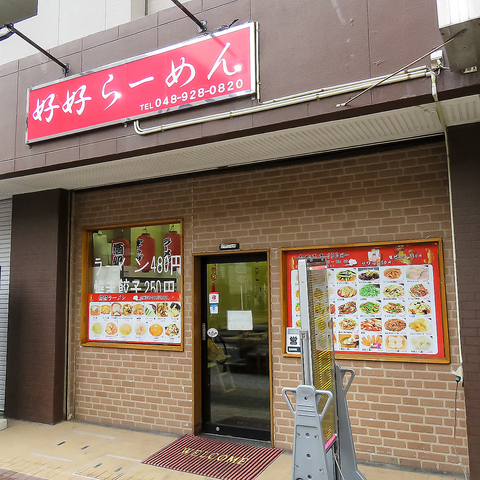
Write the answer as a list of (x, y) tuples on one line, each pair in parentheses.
[(401, 413)]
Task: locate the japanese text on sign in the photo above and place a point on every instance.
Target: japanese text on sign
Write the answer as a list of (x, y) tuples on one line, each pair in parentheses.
[(208, 68)]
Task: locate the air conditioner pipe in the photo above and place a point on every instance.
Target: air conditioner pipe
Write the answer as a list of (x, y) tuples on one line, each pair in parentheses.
[(289, 100)]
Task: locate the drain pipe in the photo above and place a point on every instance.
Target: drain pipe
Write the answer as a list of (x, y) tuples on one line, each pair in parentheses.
[(436, 59), (418, 72)]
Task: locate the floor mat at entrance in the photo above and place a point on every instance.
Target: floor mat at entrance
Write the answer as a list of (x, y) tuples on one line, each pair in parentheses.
[(214, 458)]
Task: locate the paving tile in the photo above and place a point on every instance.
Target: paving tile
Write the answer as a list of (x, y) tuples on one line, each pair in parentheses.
[(108, 467), (76, 451), (72, 446), (11, 475)]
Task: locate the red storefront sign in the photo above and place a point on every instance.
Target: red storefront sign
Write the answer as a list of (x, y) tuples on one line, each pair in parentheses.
[(205, 69)]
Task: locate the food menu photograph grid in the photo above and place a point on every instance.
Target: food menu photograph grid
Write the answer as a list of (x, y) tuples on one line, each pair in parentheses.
[(384, 300), (146, 319)]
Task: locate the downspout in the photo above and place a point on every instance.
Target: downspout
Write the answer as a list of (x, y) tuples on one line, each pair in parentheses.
[(436, 59)]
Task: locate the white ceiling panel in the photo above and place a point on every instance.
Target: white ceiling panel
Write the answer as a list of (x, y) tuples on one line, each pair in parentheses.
[(395, 125)]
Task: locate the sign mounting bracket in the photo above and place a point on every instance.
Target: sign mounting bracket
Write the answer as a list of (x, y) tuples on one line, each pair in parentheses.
[(202, 24), (12, 29)]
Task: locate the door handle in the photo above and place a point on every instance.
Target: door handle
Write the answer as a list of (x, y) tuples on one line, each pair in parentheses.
[(204, 331)]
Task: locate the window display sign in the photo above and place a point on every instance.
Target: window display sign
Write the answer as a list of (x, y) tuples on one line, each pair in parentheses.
[(132, 286), (386, 300), (205, 69)]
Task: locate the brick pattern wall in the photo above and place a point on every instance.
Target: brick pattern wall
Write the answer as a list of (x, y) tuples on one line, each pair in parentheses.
[(401, 413)]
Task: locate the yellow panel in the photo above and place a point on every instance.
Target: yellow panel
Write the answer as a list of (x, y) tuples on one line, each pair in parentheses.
[(321, 343)]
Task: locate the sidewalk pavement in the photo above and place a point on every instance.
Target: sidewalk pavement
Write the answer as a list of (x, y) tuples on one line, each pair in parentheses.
[(74, 451)]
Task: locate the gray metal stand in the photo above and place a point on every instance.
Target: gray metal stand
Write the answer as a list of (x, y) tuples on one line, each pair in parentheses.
[(347, 460), (309, 456), (314, 456), (312, 460)]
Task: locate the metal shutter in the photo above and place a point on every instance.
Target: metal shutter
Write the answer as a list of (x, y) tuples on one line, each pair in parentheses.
[(5, 238)]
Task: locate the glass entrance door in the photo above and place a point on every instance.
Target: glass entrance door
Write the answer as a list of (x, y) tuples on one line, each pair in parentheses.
[(235, 346)]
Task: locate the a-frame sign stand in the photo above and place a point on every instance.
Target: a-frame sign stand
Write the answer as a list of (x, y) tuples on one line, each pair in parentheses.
[(323, 446)]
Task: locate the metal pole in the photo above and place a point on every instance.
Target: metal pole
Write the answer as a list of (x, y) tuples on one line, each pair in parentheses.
[(65, 66), (201, 25), (461, 32)]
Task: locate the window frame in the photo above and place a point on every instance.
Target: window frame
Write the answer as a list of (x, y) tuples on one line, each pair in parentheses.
[(87, 288)]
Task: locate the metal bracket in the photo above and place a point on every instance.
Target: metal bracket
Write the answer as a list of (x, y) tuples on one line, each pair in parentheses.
[(436, 60), (344, 104), (65, 66), (202, 24)]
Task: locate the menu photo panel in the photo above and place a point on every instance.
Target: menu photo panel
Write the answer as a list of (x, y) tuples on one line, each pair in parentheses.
[(132, 286), (387, 301)]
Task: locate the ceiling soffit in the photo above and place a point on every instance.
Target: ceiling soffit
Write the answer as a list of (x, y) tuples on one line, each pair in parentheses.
[(375, 129)]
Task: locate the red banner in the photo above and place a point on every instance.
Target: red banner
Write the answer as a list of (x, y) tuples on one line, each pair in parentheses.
[(208, 68)]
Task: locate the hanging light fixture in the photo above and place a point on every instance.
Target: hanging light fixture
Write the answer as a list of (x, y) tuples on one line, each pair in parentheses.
[(145, 251), (120, 252)]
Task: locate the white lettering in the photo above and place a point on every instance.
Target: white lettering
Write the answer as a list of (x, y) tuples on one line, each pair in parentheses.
[(116, 95)]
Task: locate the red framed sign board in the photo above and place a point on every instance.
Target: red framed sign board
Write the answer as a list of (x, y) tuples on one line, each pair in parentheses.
[(205, 69), (387, 301)]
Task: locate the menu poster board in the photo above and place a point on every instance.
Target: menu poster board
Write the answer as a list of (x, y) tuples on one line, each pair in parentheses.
[(386, 300), (132, 286)]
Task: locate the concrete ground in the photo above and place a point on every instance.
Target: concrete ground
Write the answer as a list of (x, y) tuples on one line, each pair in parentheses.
[(74, 450)]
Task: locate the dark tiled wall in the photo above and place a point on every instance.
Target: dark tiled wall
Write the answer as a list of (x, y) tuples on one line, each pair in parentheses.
[(302, 45), (37, 307), (465, 168)]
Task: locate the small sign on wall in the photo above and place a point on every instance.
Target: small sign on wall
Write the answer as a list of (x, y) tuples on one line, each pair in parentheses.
[(213, 297), (293, 341), (229, 246)]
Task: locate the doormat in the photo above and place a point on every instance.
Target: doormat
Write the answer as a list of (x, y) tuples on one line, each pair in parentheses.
[(214, 458)]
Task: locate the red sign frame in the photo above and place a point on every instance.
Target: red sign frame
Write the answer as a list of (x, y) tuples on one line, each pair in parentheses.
[(402, 324), (205, 69)]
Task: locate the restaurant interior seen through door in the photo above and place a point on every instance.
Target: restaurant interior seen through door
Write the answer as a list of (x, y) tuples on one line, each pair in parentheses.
[(235, 349)]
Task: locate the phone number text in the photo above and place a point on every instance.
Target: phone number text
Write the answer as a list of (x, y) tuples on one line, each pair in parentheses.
[(194, 95)]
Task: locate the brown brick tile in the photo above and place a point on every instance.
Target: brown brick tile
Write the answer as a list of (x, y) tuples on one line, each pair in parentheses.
[(396, 408)]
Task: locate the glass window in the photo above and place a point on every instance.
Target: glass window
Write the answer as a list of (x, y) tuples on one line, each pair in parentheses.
[(133, 284)]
